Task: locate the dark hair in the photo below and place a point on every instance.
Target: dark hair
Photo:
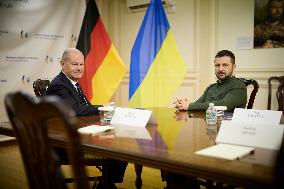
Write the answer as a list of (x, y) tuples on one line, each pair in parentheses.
[(226, 53), (270, 2)]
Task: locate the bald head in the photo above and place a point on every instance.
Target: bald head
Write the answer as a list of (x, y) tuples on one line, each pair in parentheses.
[(70, 52)]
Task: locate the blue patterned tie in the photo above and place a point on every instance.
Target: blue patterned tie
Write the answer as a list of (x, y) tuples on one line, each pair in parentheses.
[(81, 94)]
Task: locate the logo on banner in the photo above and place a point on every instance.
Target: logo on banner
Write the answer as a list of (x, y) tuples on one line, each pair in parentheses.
[(48, 59), (5, 4), (26, 79), (74, 38), (11, 4), (24, 35), (3, 80)]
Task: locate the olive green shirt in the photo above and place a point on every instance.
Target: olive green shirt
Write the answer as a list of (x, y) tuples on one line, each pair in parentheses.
[(231, 92)]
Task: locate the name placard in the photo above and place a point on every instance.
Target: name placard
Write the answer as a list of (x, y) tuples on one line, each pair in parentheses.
[(251, 134), (257, 116), (130, 117)]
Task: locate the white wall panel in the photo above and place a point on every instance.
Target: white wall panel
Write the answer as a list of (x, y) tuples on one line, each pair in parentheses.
[(201, 28)]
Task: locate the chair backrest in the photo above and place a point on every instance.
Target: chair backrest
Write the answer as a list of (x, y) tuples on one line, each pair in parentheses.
[(30, 121), (40, 87), (279, 93), (253, 82)]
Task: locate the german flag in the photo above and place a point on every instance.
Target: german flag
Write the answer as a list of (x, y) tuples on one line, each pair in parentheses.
[(104, 68)]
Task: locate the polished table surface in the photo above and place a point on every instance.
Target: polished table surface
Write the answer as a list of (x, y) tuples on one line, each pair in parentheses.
[(170, 145)]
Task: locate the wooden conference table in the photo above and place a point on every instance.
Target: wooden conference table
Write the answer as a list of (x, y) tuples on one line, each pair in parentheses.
[(170, 145)]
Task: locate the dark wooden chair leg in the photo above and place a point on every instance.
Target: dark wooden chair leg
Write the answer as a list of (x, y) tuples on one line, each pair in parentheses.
[(105, 175), (209, 184), (219, 185), (138, 170)]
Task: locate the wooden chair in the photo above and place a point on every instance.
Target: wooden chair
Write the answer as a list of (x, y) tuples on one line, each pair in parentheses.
[(279, 93), (29, 119), (247, 82), (253, 82), (40, 86)]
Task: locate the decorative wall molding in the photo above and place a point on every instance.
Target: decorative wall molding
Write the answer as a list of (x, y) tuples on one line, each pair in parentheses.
[(203, 41), (265, 70), (200, 73)]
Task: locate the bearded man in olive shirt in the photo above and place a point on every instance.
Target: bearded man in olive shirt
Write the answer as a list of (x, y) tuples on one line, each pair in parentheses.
[(227, 91)]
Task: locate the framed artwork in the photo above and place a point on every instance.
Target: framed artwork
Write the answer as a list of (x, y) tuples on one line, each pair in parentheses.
[(268, 24)]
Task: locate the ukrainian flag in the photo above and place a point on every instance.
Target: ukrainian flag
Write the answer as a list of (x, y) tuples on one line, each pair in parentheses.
[(156, 68)]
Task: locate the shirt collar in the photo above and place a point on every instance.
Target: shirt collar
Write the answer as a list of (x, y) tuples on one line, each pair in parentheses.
[(73, 82)]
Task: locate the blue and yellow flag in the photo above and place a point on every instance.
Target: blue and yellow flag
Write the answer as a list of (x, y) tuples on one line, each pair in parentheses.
[(156, 68)]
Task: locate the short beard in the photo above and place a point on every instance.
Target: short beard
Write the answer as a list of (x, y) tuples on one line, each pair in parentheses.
[(273, 19), (226, 77)]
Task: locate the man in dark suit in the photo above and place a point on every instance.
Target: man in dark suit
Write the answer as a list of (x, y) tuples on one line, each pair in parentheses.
[(66, 86)]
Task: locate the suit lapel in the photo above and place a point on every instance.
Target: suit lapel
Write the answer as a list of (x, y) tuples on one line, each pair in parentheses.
[(70, 86)]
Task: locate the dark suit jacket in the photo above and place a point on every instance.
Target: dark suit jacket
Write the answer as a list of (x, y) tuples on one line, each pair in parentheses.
[(62, 87)]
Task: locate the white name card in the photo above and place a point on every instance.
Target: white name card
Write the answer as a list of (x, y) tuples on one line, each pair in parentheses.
[(250, 134), (225, 151), (94, 129), (130, 117), (257, 116)]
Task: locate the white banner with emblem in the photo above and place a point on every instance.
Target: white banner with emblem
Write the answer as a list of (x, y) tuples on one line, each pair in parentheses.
[(33, 36)]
